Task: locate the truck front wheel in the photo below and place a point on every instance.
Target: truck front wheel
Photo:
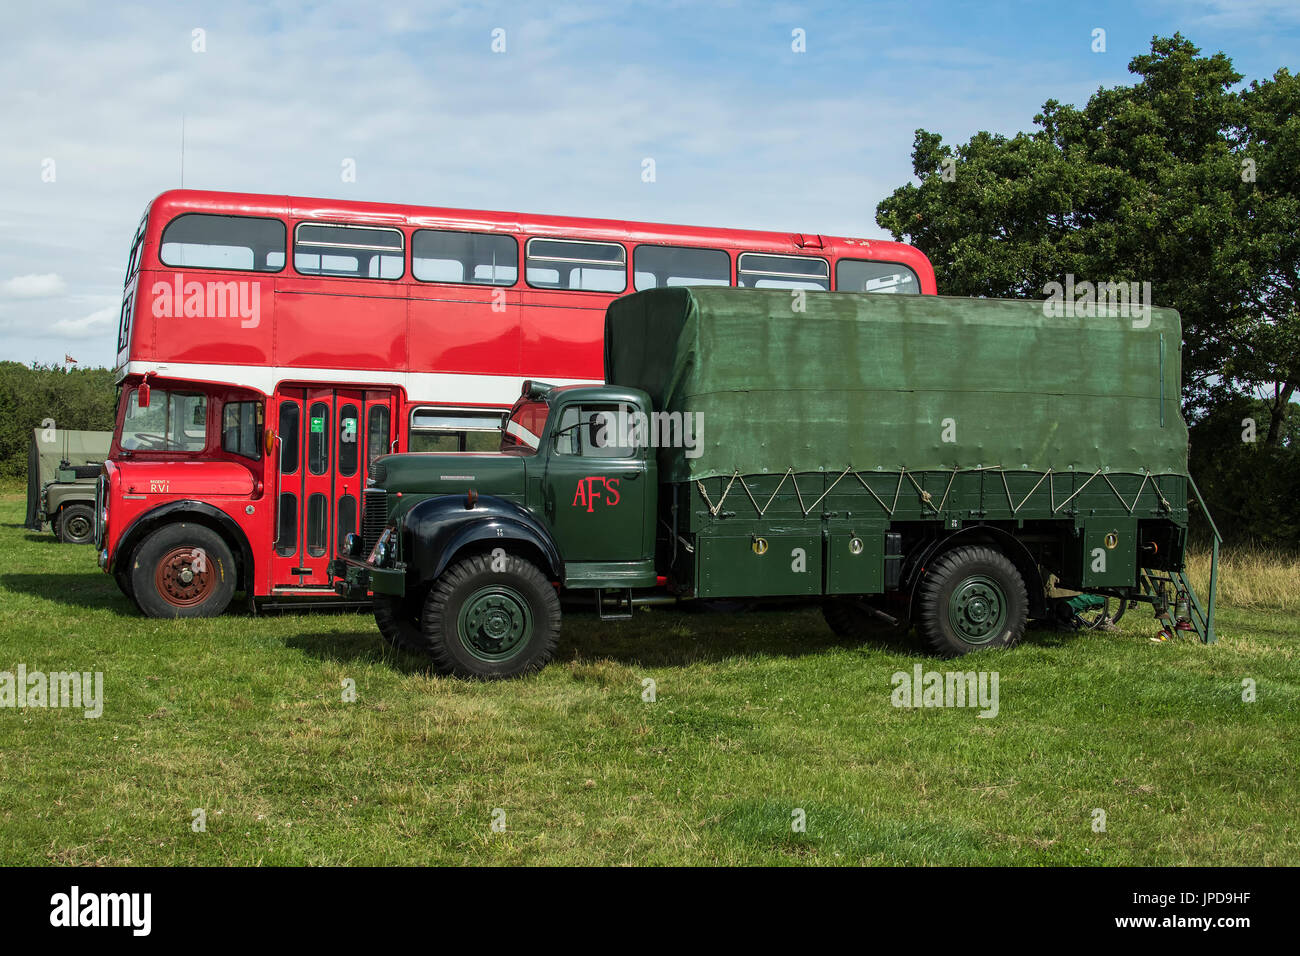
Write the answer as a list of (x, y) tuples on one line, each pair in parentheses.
[(491, 617), (970, 599), (398, 619), (183, 570), (76, 524)]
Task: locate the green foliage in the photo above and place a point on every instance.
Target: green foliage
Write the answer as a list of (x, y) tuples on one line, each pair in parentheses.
[(1184, 180), (1253, 488), (74, 398)]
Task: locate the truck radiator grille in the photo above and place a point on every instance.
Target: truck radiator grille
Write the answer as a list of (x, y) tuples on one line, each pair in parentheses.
[(374, 515)]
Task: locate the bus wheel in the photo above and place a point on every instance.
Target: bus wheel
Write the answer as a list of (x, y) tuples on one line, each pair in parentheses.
[(398, 619), (486, 623), (970, 599), (122, 575), (76, 524), (183, 570)]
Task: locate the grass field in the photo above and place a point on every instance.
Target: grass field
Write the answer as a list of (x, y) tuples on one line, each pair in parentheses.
[(757, 716)]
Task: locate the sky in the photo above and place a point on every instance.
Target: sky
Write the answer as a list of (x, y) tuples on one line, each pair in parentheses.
[(745, 131)]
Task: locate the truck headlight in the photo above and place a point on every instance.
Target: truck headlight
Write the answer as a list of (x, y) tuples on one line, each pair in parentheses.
[(352, 545), (382, 553)]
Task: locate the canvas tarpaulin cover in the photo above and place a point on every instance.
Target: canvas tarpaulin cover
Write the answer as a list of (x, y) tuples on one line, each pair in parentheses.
[(879, 382), (51, 446)]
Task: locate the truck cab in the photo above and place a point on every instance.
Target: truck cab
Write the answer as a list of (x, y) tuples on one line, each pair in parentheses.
[(464, 552)]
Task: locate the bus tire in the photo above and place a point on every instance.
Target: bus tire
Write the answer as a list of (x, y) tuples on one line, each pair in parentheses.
[(75, 524), (971, 598), (183, 570), (398, 620), (122, 576), (487, 621)]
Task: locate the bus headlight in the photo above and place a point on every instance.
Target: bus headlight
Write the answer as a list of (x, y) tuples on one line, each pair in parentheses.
[(101, 511)]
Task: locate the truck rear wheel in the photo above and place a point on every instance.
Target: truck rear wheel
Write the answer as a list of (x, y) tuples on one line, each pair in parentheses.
[(970, 599), (76, 524), (398, 619), (183, 570), (490, 618)]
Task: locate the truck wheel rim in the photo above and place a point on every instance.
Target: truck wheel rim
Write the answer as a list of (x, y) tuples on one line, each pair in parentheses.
[(77, 527), (495, 623), (179, 582), (977, 609)]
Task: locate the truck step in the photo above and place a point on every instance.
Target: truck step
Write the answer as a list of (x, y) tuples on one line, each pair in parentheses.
[(614, 604)]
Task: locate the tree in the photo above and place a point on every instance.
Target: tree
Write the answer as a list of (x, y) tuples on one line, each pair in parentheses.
[(73, 398), (1177, 180)]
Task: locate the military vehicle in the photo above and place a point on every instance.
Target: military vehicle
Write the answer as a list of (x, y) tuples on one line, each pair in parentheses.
[(62, 467), (922, 461)]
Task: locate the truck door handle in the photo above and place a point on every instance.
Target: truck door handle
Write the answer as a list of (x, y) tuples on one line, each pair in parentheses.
[(632, 476)]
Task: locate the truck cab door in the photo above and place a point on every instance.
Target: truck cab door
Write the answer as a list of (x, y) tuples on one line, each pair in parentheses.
[(600, 487)]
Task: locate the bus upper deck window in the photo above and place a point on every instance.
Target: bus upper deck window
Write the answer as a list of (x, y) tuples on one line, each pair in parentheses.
[(232, 243)]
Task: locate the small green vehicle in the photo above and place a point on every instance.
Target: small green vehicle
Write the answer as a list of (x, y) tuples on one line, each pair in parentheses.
[(905, 461), (62, 467)]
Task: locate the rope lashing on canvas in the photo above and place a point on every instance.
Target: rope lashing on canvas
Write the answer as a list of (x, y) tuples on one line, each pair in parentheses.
[(925, 497)]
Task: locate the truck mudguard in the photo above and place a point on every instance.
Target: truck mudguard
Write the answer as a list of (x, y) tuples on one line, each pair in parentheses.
[(435, 530)]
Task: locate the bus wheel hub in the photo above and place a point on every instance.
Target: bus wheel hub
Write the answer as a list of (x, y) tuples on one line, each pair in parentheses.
[(179, 583)]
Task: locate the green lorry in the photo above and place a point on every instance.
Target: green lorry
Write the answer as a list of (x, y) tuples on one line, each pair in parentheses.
[(902, 460), (62, 467)]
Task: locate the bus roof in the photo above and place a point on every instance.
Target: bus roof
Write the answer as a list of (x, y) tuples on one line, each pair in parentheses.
[(176, 201)]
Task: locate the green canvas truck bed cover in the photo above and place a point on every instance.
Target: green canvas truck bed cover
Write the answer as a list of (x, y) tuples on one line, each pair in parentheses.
[(890, 382)]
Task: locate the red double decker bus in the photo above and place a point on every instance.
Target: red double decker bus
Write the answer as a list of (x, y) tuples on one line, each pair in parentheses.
[(271, 347)]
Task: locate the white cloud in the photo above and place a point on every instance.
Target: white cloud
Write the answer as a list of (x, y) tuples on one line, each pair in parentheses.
[(99, 325), (34, 286)]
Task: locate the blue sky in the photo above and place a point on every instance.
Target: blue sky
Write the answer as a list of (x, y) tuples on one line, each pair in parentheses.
[(744, 131)]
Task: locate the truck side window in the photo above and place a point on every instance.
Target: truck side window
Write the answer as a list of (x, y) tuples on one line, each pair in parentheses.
[(599, 431)]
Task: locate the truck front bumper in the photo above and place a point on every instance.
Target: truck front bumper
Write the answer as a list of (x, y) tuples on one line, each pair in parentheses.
[(356, 579)]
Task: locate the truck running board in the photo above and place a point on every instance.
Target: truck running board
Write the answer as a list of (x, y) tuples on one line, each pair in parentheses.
[(617, 606)]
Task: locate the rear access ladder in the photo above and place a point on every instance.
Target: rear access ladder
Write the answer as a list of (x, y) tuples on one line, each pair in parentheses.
[(1156, 587)]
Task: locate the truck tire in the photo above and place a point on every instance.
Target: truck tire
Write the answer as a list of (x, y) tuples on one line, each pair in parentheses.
[(971, 599), (183, 570), (398, 620), (488, 623), (75, 524)]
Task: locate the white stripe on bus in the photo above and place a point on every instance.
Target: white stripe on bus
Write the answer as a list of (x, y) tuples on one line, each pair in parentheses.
[(440, 387)]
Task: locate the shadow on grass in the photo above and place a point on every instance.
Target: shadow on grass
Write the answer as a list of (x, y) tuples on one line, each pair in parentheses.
[(358, 647), (81, 590), (45, 537), (657, 638)]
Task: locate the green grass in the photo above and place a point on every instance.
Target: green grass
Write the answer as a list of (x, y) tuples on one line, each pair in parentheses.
[(756, 715)]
